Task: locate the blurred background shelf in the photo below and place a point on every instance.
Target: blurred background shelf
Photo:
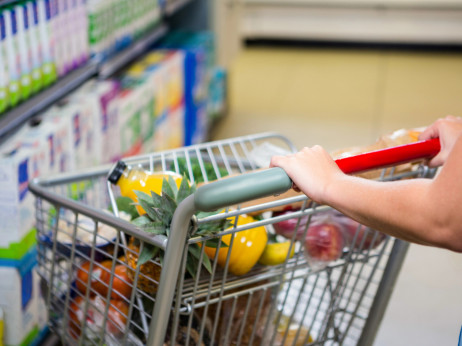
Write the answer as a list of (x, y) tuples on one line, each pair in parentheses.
[(172, 7), (17, 116), (120, 60), (14, 118), (432, 22)]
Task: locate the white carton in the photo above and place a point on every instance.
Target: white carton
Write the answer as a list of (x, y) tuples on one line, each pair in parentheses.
[(19, 300), (100, 96), (17, 210), (14, 69), (128, 110), (47, 40), (34, 46), (53, 132), (80, 118)]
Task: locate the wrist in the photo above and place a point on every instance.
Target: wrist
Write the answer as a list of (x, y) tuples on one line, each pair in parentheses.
[(333, 190)]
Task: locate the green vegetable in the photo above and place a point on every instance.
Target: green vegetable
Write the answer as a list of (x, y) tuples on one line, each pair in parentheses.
[(126, 205), (197, 171)]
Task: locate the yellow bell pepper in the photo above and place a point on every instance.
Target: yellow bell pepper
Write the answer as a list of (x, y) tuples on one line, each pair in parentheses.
[(246, 249)]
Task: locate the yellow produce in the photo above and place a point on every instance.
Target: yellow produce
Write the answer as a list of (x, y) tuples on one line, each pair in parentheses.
[(246, 249), (137, 179), (290, 333), (276, 253)]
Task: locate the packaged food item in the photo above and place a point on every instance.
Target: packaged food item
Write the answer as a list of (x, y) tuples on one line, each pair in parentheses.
[(34, 45), (14, 69), (18, 165), (21, 26), (45, 15), (81, 27), (19, 300), (4, 98)]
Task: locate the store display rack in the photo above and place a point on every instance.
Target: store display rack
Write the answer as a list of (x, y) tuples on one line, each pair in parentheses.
[(174, 6), (11, 120)]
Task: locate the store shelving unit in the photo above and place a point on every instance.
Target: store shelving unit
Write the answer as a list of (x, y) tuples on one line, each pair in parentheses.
[(174, 6), (12, 119), (424, 22), (120, 60), (26, 110)]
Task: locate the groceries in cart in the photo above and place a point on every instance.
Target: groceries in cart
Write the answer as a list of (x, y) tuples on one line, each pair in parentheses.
[(175, 269)]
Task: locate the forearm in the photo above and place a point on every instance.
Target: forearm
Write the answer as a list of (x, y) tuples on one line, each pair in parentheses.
[(403, 209)]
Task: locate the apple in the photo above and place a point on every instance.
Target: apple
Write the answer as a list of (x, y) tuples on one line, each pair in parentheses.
[(366, 238), (324, 242), (287, 228)]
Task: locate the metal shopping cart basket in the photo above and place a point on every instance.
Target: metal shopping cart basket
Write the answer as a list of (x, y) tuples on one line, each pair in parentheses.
[(199, 297)]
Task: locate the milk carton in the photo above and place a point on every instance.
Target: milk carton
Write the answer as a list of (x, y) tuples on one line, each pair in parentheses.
[(100, 96), (44, 10), (14, 68), (80, 118), (81, 27), (22, 27), (18, 300), (129, 115), (34, 45), (53, 132), (17, 210), (4, 98)]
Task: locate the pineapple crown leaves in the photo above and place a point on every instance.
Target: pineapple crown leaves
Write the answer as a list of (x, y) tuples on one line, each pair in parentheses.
[(157, 221)]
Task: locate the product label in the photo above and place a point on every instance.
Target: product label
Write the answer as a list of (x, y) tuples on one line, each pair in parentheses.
[(23, 179)]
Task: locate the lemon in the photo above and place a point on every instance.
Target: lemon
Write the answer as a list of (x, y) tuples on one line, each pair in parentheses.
[(276, 253)]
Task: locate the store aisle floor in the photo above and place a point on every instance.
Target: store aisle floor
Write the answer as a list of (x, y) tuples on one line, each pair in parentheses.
[(344, 97)]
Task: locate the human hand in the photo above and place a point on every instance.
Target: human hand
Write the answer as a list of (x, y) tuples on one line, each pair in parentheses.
[(311, 170), (448, 129)]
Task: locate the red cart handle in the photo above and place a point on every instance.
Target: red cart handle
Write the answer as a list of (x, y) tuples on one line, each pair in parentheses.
[(390, 156)]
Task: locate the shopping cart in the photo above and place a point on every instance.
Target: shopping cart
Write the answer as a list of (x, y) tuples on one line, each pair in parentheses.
[(291, 303)]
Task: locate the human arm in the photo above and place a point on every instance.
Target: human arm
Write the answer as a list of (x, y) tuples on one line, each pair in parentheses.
[(422, 211)]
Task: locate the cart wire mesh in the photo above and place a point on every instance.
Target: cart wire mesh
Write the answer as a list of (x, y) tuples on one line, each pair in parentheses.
[(96, 294)]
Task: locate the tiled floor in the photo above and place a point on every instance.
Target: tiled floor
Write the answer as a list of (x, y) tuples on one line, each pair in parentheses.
[(344, 97)]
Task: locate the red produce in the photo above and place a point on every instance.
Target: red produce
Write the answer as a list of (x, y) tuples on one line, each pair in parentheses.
[(324, 242), (116, 316), (286, 228)]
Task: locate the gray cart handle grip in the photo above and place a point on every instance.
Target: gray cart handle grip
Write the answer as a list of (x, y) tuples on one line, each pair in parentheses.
[(241, 188)]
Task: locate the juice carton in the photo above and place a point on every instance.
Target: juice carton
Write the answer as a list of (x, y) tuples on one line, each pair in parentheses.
[(80, 119), (14, 68), (129, 114), (81, 29), (18, 165), (4, 94), (53, 133), (47, 44), (101, 96), (59, 32), (25, 60), (95, 26), (34, 45), (147, 115), (18, 299)]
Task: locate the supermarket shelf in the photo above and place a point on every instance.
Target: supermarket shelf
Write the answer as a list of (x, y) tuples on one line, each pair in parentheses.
[(12, 119), (7, 2), (110, 67), (409, 4), (174, 6)]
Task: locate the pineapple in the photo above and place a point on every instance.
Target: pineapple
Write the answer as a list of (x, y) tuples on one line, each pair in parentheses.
[(157, 220)]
